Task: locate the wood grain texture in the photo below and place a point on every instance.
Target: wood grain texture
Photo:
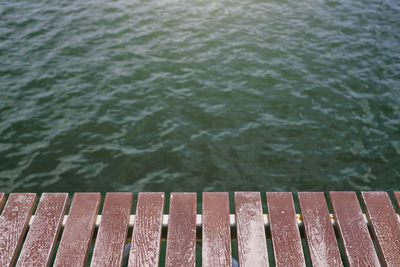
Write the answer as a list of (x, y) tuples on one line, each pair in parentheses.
[(285, 233), (181, 237), (42, 235), (113, 230), (321, 239), (385, 225), (216, 246), (397, 198), (2, 200), (252, 242), (77, 235), (13, 225), (353, 230), (146, 235)]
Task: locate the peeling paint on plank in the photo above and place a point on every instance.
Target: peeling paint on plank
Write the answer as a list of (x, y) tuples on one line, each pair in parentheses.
[(252, 242), (216, 239), (181, 236), (40, 241), (113, 230), (146, 234), (77, 236), (353, 230), (385, 225), (321, 239), (13, 225), (284, 230)]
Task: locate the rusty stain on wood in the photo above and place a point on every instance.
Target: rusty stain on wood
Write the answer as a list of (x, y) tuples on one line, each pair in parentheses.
[(181, 237), (319, 231), (285, 233), (353, 230), (113, 230), (77, 236), (146, 235), (13, 225), (42, 235), (216, 237), (252, 242), (385, 225)]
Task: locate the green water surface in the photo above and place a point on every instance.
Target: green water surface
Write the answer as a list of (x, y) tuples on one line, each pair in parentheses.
[(190, 95)]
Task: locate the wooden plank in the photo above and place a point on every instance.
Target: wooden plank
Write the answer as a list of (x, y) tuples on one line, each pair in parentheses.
[(113, 230), (13, 224), (2, 200), (42, 236), (146, 235), (353, 230), (181, 237), (397, 198), (385, 226), (285, 233), (252, 242), (319, 231), (216, 247), (78, 231)]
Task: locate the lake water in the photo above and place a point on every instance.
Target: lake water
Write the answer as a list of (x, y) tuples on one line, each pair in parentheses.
[(190, 95)]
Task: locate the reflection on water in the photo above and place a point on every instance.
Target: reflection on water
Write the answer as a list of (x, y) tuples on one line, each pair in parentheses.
[(188, 95)]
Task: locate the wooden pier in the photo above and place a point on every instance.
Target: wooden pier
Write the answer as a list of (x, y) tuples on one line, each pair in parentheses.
[(350, 235)]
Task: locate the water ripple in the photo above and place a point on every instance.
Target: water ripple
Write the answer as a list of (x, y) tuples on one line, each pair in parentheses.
[(174, 95)]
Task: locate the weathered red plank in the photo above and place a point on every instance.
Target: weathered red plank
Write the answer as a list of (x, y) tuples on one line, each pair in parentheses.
[(397, 197), (319, 231), (42, 235), (285, 233), (385, 225), (113, 230), (78, 231), (216, 250), (181, 237), (13, 224), (353, 230), (2, 200), (146, 236), (252, 242)]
